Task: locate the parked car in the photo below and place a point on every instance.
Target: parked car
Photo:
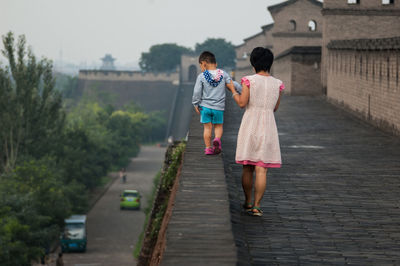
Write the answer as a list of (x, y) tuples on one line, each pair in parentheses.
[(130, 199), (74, 236)]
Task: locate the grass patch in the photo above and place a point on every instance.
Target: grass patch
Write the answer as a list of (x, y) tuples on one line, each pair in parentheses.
[(150, 200)]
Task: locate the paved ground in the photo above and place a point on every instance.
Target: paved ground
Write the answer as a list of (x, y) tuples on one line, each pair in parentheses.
[(199, 231), (112, 233), (335, 201)]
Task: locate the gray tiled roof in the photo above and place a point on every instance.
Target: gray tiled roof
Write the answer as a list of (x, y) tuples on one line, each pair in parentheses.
[(300, 50)]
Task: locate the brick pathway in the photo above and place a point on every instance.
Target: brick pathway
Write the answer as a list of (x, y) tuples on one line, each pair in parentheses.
[(335, 201)]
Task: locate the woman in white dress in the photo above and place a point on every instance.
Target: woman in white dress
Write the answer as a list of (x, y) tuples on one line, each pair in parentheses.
[(258, 143)]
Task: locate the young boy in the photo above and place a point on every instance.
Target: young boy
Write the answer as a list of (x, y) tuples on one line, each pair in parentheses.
[(209, 100)]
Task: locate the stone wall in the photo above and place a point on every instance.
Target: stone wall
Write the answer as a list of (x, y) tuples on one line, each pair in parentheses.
[(363, 77), (114, 75), (369, 19), (282, 69), (299, 69)]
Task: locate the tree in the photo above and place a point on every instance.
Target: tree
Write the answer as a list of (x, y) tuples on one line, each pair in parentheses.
[(162, 57), (33, 205), (67, 85), (224, 51), (31, 111)]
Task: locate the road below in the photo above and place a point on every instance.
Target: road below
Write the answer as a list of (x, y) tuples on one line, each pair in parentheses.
[(112, 233)]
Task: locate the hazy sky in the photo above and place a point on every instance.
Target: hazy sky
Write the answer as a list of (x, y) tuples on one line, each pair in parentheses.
[(85, 30)]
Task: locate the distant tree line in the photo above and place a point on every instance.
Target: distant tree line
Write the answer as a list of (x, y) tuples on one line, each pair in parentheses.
[(166, 57), (51, 159)]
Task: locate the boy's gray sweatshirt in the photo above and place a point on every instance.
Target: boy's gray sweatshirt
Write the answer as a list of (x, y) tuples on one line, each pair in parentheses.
[(204, 94)]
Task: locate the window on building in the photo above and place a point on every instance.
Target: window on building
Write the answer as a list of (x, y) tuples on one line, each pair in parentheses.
[(292, 25), (387, 2), (312, 25), (353, 2)]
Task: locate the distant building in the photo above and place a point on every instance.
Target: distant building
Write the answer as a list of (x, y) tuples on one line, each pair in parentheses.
[(295, 38), (108, 62), (361, 59), (348, 50)]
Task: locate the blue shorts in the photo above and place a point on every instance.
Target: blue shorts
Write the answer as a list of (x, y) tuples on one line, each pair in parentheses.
[(213, 116)]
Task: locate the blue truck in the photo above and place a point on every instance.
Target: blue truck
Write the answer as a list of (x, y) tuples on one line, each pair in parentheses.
[(74, 237)]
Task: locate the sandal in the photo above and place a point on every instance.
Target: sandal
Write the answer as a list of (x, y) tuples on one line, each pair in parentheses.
[(259, 212), (209, 151), (247, 206)]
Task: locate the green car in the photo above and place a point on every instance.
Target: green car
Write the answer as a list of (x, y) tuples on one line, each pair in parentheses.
[(130, 199)]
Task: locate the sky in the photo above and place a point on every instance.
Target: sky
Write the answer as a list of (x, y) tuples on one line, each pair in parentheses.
[(83, 31)]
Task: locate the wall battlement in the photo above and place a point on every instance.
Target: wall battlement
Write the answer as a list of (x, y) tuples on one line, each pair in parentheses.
[(112, 75)]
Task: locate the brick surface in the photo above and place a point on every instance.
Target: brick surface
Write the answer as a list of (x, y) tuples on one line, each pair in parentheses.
[(367, 82), (334, 201), (199, 231)]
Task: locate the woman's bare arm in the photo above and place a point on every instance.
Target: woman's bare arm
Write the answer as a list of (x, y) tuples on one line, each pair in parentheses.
[(242, 99), (278, 102)]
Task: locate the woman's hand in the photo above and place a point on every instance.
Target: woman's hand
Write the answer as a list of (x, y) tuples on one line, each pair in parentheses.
[(242, 99)]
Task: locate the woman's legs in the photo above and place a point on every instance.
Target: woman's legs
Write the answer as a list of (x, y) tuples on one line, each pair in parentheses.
[(247, 181), (260, 184)]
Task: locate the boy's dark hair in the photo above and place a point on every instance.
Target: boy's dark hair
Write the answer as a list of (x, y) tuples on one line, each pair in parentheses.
[(261, 59), (208, 57)]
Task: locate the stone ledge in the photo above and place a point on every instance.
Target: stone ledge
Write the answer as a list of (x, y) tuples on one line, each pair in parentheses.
[(366, 44), (200, 231)]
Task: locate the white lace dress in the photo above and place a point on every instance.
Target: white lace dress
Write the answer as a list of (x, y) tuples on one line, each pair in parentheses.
[(258, 142)]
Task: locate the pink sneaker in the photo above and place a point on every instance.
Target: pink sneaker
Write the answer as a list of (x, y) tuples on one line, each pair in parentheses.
[(209, 151), (217, 145)]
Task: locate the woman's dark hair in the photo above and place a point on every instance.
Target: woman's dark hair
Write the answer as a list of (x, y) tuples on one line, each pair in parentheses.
[(207, 57), (261, 59)]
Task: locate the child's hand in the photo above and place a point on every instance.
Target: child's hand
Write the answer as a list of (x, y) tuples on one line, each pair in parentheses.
[(196, 108), (231, 87)]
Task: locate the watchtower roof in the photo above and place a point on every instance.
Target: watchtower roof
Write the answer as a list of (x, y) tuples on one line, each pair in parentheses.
[(278, 7)]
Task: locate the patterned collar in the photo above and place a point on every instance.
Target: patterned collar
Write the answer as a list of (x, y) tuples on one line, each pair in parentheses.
[(216, 80)]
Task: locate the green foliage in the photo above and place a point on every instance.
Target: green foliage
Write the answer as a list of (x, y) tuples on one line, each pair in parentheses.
[(169, 176), (33, 205), (156, 126), (67, 85), (162, 185), (147, 211), (224, 51), (101, 137), (13, 245), (162, 57), (49, 161), (84, 159), (31, 113)]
